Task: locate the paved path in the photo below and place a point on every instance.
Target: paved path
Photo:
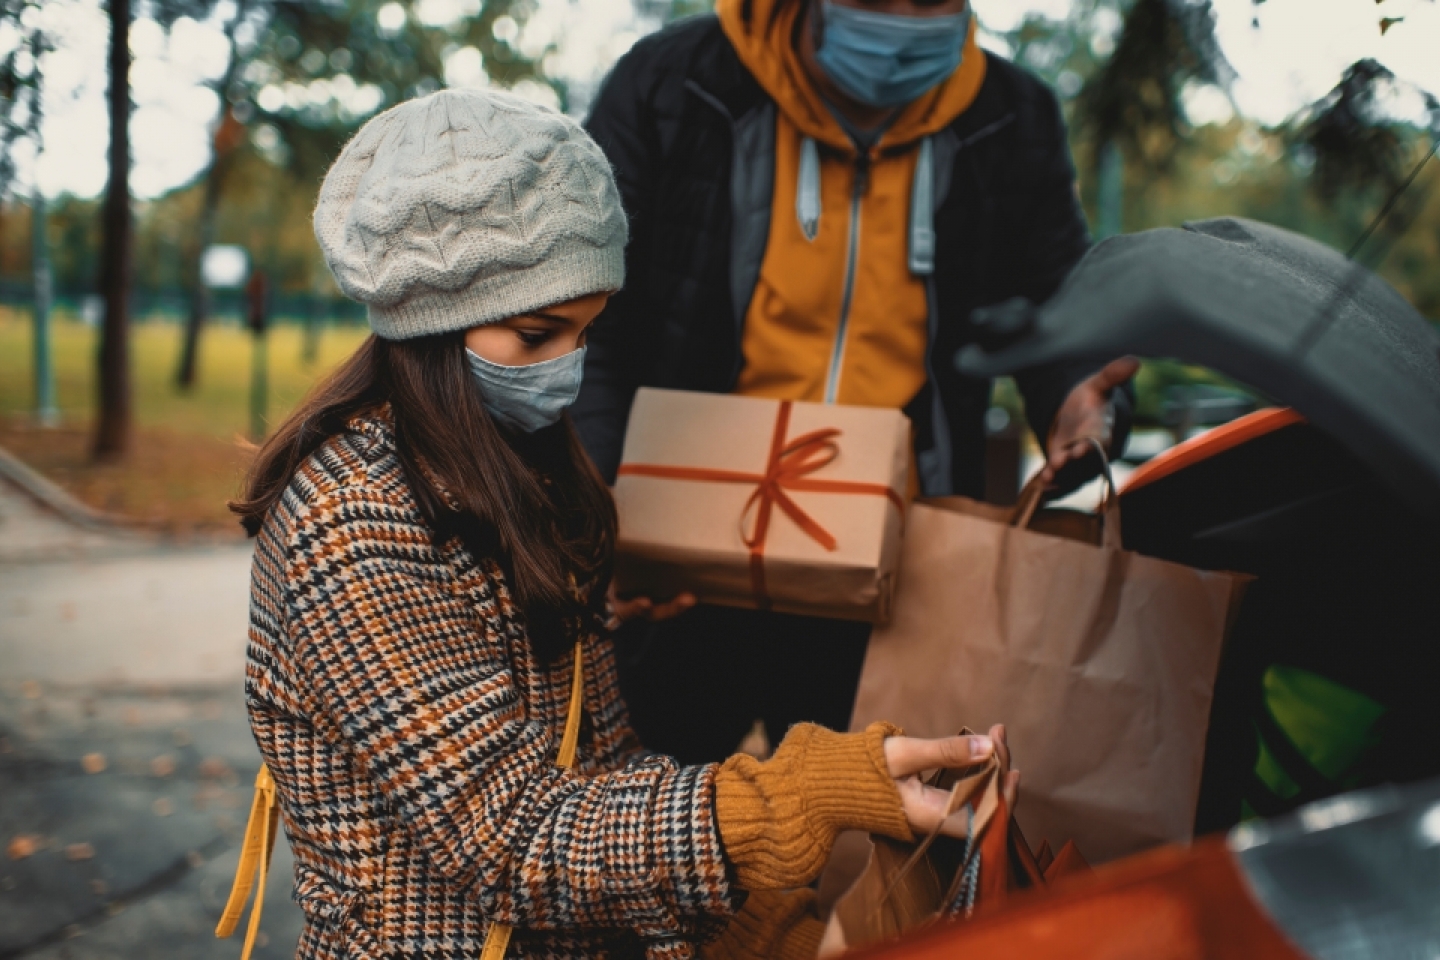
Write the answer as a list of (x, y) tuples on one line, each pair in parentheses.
[(125, 755), (30, 532), (152, 618)]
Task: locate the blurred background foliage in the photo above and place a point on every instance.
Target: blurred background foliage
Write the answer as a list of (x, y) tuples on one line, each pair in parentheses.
[(307, 74), (304, 74)]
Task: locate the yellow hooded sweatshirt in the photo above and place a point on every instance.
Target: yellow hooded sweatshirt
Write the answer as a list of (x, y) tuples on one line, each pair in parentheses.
[(837, 314)]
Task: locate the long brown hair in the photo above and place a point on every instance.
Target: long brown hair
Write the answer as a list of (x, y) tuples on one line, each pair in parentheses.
[(533, 502)]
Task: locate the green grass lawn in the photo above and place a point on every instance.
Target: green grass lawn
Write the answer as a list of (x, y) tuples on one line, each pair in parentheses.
[(190, 449), (219, 406)]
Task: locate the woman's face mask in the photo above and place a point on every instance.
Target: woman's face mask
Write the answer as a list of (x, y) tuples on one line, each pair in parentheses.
[(530, 397), (885, 59)]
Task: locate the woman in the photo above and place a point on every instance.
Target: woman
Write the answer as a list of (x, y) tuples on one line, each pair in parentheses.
[(428, 600)]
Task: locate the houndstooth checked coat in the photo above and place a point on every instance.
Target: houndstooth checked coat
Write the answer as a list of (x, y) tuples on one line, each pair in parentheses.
[(412, 735)]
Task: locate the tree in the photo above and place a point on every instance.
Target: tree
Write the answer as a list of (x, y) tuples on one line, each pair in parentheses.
[(1358, 147), (1131, 107), (321, 70), (314, 74), (21, 113), (229, 136), (113, 426)]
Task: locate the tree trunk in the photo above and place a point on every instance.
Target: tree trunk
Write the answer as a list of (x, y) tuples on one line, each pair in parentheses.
[(185, 374), (113, 425), (47, 414), (199, 292)]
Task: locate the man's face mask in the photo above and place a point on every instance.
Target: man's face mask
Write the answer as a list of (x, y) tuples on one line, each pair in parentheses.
[(885, 59), (530, 397)]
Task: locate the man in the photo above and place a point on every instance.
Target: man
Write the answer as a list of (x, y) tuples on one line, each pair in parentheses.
[(820, 193)]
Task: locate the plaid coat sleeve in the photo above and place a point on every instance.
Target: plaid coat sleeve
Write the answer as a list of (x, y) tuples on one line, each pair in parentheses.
[(416, 668)]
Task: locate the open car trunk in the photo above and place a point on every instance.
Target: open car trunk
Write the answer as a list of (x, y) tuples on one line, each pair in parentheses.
[(1329, 681)]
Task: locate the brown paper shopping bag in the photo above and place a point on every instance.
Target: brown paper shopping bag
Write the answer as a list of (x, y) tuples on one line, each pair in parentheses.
[(973, 860), (1101, 664)]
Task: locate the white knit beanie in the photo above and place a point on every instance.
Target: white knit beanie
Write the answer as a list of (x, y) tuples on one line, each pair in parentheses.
[(466, 207)]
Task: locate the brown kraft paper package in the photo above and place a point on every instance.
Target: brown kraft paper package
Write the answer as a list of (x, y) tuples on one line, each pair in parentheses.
[(970, 862), (761, 503), (1101, 663)]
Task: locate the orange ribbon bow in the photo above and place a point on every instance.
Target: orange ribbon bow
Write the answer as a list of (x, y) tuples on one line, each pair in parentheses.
[(788, 468)]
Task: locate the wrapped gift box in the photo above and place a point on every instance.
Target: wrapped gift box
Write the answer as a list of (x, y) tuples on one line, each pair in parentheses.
[(769, 504)]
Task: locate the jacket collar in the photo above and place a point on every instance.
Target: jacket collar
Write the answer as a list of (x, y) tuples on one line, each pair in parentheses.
[(376, 430)]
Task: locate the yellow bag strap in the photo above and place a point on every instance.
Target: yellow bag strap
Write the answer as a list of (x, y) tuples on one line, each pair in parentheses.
[(570, 740), (254, 865), (264, 817)]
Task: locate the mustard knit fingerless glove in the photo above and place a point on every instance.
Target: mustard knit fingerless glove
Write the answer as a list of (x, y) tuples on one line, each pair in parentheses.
[(773, 925), (779, 818)]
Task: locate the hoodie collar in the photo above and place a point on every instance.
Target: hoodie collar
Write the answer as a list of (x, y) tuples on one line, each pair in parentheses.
[(764, 44)]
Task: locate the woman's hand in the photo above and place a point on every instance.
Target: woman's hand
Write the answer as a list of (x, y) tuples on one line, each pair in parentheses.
[(908, 756), (1086, 413), (632, 608)]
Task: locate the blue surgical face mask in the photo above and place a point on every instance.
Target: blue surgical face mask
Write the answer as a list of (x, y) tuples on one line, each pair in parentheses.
[(530, 397), (885, 59)]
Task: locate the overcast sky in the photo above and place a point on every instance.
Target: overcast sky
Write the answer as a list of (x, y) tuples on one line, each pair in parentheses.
[(1294, 56)]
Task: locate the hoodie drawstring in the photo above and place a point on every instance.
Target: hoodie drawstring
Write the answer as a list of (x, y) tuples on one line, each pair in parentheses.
[(922, 212), (807, 192), (922, 203)]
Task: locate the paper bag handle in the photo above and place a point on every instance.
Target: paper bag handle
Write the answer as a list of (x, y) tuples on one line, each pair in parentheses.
[(1109, 512)]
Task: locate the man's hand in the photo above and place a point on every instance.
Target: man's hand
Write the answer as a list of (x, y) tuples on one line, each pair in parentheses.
[(643, 607), (907, 756), (1086, 413)]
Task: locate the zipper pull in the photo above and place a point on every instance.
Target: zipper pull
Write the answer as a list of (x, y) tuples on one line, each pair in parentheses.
[(862, 173)]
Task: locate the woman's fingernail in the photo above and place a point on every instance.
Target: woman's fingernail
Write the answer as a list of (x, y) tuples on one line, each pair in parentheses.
[(981, 747)]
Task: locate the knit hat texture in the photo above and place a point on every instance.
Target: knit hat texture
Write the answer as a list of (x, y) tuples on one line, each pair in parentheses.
[(466, 207)]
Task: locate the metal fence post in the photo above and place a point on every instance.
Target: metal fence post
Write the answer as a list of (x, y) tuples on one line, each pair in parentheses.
[(47, 414), (256, 292)]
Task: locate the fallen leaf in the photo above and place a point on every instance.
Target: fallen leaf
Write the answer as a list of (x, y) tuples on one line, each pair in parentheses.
[(163, 765), (213, 768), (79, 851), (30, 690), (23, 845), (162, 807), (93, 762)]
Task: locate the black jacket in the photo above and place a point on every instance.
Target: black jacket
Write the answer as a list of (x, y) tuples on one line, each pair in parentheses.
[(692, 138)]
